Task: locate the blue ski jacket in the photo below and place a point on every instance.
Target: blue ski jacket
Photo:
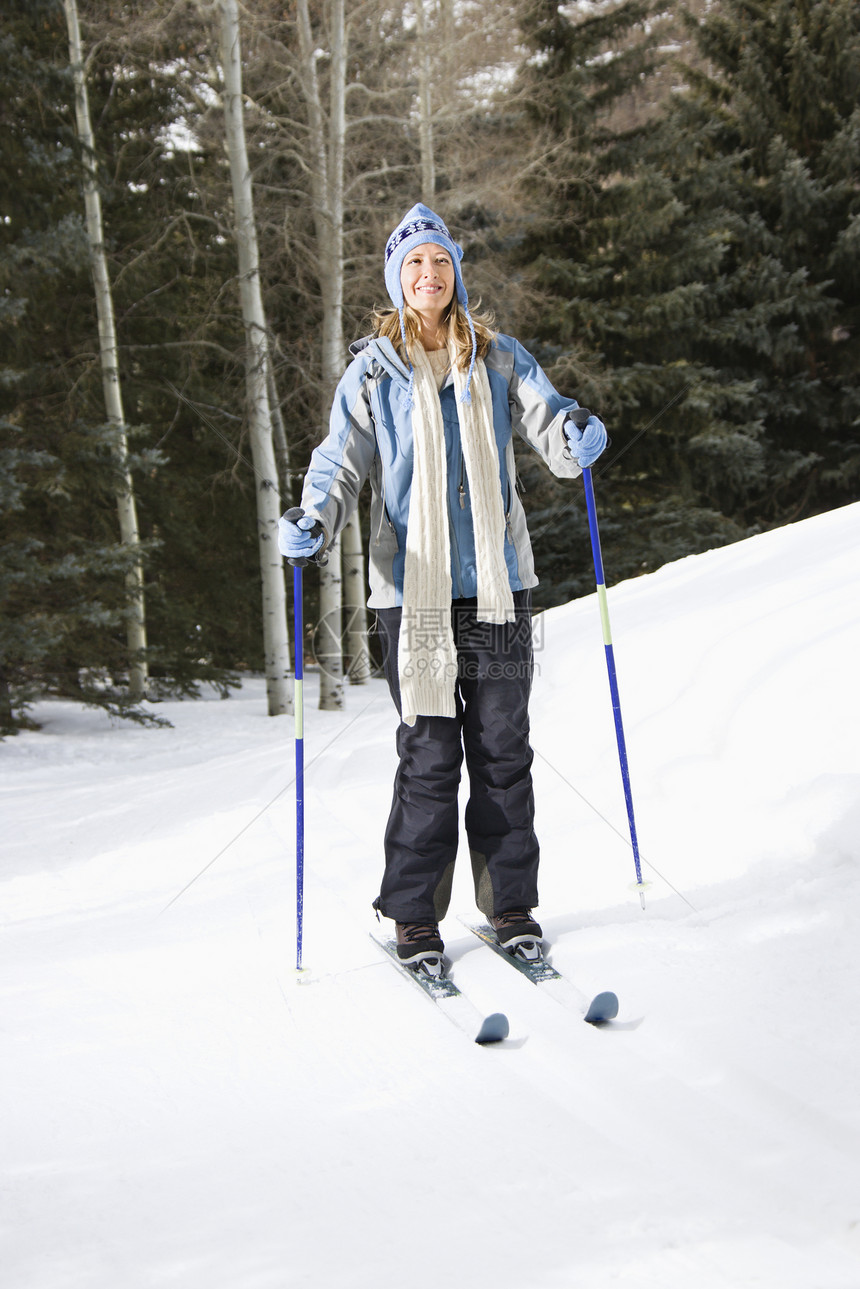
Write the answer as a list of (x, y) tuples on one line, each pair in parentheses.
[(370, 436)]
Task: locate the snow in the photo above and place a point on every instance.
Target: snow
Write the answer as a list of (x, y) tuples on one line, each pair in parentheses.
[(179, 1110)]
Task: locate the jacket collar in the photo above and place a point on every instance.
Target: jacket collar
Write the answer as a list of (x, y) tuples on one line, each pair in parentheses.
[(381, 348)]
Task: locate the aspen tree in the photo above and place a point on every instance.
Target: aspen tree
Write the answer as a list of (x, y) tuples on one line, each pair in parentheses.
[(275, 633), (109, 357)]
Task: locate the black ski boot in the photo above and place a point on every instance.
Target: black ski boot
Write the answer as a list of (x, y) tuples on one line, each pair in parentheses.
[(519, 934), (419, 946)]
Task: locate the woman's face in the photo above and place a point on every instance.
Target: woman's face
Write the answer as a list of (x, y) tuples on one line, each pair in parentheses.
[(427, 278)]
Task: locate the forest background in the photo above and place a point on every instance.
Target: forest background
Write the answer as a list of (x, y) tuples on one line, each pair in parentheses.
[(661, 201)]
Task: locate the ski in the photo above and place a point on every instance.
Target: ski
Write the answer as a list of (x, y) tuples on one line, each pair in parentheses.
[(455, 1005), (598, 1010)]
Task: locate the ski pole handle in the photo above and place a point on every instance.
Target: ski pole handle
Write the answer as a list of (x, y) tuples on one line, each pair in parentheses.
[(294, 514)]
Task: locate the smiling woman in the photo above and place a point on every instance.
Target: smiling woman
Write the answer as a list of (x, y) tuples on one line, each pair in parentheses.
[(426, 411), (427, 279)]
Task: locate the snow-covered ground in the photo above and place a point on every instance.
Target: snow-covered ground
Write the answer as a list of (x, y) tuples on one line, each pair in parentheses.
[(179, 1111)]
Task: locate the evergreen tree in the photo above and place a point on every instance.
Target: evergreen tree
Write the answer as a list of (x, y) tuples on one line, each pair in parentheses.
[(166, 200), (61, 567), (61, 584), (586, 68), (701, 279), (782, 101)]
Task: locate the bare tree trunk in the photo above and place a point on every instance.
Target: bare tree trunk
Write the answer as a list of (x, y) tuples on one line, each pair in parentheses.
[(329, 216), (327, 149), (279, 434), (425, 109), (328, 635), (275, 633), (8, 724), (352, 556), (109, 355)]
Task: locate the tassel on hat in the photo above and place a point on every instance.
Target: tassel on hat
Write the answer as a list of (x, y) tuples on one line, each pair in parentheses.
[(418, 226)]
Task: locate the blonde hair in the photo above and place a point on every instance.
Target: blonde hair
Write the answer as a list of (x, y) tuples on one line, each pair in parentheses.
[(386, 322)]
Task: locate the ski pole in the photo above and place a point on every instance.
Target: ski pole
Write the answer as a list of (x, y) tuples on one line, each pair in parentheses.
[(298, 709), (298, 564), (579, 417)]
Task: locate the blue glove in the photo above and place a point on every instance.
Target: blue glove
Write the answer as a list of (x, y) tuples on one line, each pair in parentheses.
[(586, 445), (300, 537)]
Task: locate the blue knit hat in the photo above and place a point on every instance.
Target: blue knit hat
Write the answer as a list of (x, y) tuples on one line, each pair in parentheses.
[(418, 226)]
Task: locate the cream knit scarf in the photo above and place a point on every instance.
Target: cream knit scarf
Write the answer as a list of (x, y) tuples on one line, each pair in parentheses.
[(427, 657)]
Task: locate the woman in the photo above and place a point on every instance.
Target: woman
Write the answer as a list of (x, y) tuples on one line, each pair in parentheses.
[(426, 411)]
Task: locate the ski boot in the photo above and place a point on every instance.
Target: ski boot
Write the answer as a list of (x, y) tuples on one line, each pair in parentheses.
[(519, 934)]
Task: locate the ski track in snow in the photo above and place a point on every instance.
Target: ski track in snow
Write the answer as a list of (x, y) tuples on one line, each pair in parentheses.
[(180, 1111)]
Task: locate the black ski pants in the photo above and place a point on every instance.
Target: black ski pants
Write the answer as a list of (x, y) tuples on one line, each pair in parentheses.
[(491, 729)]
